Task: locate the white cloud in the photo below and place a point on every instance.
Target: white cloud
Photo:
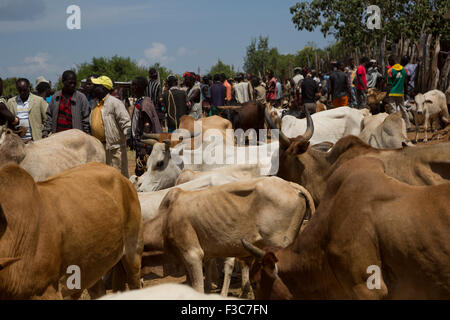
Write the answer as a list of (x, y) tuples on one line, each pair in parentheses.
[(182, 51), (157, 53), (33, 65)]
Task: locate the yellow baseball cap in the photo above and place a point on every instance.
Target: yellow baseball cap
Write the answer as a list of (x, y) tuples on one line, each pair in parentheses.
[(104, 81)]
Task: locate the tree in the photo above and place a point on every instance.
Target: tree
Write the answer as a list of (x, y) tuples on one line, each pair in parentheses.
[(9, 87), (221, 67), (346, 19), (256, 60), (117, 68)]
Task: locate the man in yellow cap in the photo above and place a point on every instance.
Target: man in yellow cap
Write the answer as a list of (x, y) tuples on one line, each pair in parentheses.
[(110, 123)]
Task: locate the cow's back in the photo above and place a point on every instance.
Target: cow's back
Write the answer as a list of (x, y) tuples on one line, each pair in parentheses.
[(61, 151)]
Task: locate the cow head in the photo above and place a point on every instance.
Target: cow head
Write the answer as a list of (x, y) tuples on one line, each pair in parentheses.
[(266, 283), (12, 148), (420, 102), (162, 172)]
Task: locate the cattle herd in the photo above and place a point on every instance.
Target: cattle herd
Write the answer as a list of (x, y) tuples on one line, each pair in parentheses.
[(337, 205)]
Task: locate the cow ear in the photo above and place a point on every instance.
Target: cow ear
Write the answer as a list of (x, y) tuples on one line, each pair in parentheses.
[(299, 147), (4, 262), (269, 260)]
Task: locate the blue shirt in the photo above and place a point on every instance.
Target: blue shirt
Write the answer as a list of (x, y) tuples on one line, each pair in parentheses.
[(279, 91), (218, 94), (48, 99)]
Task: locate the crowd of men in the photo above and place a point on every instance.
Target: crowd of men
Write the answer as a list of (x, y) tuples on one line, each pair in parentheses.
[(98, 108)]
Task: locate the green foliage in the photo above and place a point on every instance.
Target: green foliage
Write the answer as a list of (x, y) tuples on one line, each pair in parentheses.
[(9, 87), (117, 68), (346, 19), (221, 67)]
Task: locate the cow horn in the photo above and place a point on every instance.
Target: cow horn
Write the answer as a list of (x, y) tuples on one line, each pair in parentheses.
[(149, 141), (272, 125), (309, 126), (154, 136), (257, 252)]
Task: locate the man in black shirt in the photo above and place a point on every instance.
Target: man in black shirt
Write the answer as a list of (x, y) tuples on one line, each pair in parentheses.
[(175, 103), (309, 92), (339, 88)]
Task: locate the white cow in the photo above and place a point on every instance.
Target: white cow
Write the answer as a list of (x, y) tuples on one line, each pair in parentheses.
[(432, 104), (51, 155), (164, 164), (210, 223), (329, 126), (166, 291), (384, 131)]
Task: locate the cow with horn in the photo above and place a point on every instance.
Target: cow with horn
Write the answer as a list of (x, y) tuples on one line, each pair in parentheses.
[(311, 167)]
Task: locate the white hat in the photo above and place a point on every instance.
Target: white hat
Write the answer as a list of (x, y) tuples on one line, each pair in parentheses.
[(40, 79)]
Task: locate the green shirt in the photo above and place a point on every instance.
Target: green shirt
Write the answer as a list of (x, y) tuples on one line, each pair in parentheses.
[(396, 79)]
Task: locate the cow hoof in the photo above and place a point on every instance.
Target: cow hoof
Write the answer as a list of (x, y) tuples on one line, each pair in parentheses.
[(414, 141)]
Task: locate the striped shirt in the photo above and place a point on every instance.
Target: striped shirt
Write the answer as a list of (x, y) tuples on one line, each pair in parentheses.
[(23, 110), (154, 91)]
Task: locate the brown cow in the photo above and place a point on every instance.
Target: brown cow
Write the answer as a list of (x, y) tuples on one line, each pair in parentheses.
[(216, 123), (375, 100), (420, 165), (88, 216), (248, 116), (367, 221)]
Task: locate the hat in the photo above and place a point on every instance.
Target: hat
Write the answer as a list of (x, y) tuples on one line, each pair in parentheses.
[(40, 79), (373, 61), (104, 81), (297, 69)]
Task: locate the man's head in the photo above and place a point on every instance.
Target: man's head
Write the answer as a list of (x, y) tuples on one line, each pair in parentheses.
[(364, 61), (238, 77), (206, 79), (373, 63), (89, 86), (69, 80), (138, 86), (102, 86), (340, 65), (392, 60), (23, 88), (223, 77), (153, 74), (269, 74), (405, 60), (297, 70), (217, 78), (255, 81), (189, 79), (172, 81), (351, 62), (43, 89)]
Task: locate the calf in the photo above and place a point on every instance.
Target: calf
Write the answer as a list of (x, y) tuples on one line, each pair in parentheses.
[(433, 105)]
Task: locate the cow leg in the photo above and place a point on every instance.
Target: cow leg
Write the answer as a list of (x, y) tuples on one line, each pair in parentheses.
[(427, 117), (417, 128), (227, 271), (132, 258), (97, 290), (118, 278), (210, 274), (245, 273), (51, 293), (193, 260)]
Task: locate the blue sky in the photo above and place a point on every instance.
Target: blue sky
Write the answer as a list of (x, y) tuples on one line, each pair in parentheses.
[(182, 35)]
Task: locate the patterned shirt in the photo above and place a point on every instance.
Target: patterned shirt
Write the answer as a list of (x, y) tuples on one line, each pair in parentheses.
[(23, 110), (64, 115)]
